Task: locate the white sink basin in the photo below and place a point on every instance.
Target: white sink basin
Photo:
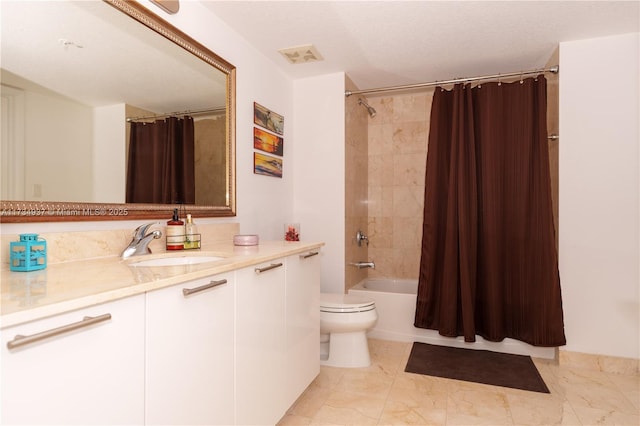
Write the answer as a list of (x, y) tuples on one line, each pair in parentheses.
[(176, 260)]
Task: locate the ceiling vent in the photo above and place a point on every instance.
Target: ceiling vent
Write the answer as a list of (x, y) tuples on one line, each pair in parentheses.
[(301, 54)]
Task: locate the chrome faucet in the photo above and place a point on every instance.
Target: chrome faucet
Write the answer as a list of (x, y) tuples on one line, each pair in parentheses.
[(140, 242), (361, 265)]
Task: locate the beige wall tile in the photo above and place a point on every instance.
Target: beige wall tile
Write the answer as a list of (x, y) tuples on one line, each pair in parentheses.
[(357, 169)]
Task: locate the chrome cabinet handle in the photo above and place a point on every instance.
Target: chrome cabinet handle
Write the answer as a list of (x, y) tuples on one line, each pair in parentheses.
[(20, 340), (308, 255), (268, 268), (189, 291)]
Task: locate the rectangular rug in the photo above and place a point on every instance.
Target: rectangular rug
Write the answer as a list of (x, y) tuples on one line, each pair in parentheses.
[(479, 366)]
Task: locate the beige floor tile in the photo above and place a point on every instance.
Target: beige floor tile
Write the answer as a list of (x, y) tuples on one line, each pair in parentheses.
[(549, 370), (349, 408), (416, 390), (366, 383), (600, 397), (293, 420), (575, 376), (387, 358), (541, 409), (594, 416), (310, 401), (329, 377), (384, 394), (462, 419), (629, 386), (401, 413), (486, 404)]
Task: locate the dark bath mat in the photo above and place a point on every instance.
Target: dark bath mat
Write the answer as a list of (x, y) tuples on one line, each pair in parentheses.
[(480, 366)]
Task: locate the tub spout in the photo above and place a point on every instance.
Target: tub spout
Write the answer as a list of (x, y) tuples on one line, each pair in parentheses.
[(362, 265)]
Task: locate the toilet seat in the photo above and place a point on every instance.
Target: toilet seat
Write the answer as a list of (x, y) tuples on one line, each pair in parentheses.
[(344, 303)]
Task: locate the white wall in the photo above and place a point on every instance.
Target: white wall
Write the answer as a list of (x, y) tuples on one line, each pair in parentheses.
[(264, 203), (60, 122), (109, 156), (319, 170), (599, 216)]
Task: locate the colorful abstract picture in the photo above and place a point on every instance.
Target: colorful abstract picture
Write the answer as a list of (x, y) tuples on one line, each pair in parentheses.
[(267, 142), (268, 119), (267, 165)]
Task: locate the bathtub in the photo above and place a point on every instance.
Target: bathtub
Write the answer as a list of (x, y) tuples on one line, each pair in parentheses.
[(396, 306)]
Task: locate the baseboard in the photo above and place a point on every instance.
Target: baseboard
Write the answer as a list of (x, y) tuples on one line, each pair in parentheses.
[(604, 363)]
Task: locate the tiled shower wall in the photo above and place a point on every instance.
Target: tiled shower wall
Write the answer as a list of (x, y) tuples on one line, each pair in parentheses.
[(397, 160), (356, 176)]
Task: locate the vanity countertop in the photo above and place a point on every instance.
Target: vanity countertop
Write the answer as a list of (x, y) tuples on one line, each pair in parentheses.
[(63, 287)]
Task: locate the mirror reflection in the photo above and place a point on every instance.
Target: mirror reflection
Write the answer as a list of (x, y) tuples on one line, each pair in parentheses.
[(98, 108)]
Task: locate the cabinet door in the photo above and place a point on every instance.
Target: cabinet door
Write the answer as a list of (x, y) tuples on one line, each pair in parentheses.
[(189, 353), (303, 321), (90, 371), (260, 344)]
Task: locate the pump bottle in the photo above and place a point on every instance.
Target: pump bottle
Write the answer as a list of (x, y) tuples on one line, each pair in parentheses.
[(175, 232)]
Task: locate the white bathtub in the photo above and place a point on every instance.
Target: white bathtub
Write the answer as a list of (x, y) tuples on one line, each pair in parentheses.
[(396, 305)]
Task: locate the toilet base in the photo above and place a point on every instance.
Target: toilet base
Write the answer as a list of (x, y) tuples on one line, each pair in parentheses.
[(348, 350)]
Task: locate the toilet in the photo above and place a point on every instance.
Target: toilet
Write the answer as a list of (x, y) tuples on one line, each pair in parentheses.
[(344, 321)]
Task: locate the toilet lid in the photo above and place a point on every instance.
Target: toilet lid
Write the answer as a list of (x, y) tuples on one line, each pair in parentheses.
[(330, 302)]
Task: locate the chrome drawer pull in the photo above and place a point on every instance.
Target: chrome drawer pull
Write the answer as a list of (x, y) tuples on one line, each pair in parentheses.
[(20, 340), (189, 291), (268, 268), (308, 255)]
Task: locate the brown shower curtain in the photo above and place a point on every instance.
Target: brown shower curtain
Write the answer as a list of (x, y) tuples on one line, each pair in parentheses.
[(160, 166), (489, 262)]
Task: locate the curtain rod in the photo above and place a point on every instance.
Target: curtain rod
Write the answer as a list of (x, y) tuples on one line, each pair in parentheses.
[(553, 70), (170, 114)]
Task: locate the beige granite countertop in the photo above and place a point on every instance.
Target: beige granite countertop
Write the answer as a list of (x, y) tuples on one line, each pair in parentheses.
[(63, 287)]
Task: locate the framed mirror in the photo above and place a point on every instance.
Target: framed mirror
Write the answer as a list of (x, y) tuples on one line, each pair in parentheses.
[(75, 76)]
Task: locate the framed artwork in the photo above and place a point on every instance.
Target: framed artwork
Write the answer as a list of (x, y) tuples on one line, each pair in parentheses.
[(267, 142), (268, 119), (267, 165)]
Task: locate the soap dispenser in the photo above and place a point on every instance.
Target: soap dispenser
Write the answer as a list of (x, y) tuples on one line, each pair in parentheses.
[(175, 232), (192, 238)]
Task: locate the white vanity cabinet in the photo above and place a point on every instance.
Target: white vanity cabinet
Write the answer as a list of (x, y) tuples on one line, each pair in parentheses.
[(190, 353), (277, 335), (261, 397), (82, 367), (303, 321)]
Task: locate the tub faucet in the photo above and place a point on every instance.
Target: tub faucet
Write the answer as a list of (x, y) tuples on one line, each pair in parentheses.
[(362, 265), (140, 242)]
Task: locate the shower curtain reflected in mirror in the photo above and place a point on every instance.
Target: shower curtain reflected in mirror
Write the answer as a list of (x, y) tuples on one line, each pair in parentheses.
[(489, 263), (160, 167)]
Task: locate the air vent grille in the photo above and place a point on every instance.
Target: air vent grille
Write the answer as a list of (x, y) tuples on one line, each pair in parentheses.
[(301, 54)]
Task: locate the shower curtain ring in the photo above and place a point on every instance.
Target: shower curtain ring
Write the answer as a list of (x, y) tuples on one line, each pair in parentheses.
[(521, 76), (499, 80)]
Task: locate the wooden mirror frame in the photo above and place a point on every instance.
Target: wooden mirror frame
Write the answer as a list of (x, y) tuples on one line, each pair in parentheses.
[(51, 211)]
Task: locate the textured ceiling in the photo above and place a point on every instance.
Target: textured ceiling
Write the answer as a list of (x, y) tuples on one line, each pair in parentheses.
[(377, 43), (386, 43)]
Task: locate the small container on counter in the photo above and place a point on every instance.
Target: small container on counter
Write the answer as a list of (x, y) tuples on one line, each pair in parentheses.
[(175, 232), (191, 236), (246, 240), (28, 254)]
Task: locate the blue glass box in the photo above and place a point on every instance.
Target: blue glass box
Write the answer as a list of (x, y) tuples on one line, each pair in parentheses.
[(28, 254)]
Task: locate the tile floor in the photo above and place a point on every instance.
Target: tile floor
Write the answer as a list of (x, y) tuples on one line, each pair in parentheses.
[(383, 394)]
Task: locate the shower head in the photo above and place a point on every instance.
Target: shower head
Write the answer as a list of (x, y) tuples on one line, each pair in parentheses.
[(372, 112)]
